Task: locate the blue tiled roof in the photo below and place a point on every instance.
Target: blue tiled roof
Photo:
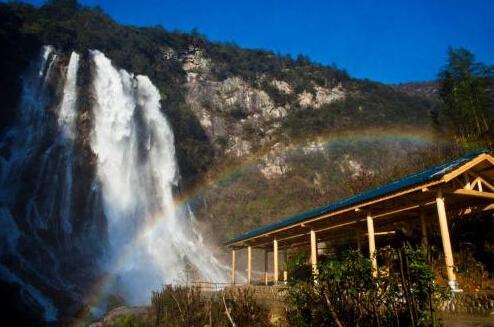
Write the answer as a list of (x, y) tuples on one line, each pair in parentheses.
[(427, 175)]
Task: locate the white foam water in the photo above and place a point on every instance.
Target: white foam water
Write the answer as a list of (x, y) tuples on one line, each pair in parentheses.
[(66, 120), (152, 241)]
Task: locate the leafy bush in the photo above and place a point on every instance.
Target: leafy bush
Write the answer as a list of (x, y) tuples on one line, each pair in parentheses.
[(345, 293)]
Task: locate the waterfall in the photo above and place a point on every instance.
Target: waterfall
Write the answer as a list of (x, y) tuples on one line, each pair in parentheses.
[(66, 120), (79, 203), (152, 241)]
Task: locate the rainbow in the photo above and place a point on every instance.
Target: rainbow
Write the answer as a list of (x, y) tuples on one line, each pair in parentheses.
[(236, 167), (103, 287)]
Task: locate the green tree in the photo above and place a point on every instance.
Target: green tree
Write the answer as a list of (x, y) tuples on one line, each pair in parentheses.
[(403, 292), (466, 93)]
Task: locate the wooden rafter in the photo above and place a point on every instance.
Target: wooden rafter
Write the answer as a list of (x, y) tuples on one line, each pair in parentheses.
[(380, 214), (461, 170), (482, 182), (473, 193)]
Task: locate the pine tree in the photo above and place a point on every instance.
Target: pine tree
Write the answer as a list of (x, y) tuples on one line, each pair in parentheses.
[(466, 90)]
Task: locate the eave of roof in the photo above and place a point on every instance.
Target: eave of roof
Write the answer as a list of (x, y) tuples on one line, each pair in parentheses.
[(428, 175)]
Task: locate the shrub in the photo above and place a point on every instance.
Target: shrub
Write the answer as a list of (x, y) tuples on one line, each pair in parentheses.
[(346, 294), (189, 306)]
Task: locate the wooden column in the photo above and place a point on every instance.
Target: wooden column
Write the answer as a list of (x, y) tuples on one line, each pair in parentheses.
[(448, 252), (372, 243), (249, 264), (266, 267), (233, 267), (275, 261), (285, 261), (423, 226), (313, 251)]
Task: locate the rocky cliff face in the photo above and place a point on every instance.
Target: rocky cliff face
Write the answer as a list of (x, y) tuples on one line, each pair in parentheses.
[(242, 116)]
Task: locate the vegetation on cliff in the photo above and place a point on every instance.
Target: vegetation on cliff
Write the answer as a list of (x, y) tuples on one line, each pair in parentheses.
[(466, 90)]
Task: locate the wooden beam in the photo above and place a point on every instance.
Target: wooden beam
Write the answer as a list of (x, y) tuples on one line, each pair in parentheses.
[(467, 166), (313, 251), (448, 252), (323, 237), (249, 265), (275, 260), (336, 226), (384, 213), (285, 262), (479, 186), (283, 239), (391, 232), (478, 194), (489, 158), (233, 268), (488, 207), (481, 181), (266, 268), (372, 244)]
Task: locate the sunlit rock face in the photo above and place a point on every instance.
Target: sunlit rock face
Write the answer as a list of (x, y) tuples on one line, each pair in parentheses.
[(321, 96), (241, 116), (87, 182)]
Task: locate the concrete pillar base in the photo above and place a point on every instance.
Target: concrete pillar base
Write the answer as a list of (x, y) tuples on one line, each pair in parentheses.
[(454, 286)]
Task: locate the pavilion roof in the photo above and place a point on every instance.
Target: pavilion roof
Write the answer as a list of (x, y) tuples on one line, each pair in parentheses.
[(436, 173)]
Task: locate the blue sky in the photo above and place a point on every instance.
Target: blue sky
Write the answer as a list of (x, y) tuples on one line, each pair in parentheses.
[(389, 40)]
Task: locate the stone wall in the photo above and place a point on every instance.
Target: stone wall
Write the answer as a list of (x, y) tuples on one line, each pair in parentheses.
[(475, 303)]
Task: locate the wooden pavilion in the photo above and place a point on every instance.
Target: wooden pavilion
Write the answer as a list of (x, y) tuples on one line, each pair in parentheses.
[(459, 187)]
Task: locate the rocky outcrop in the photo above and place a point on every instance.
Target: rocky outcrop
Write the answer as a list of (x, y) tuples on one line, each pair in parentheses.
[(237, 116), (194, 63), (282, 86), (320, 96)]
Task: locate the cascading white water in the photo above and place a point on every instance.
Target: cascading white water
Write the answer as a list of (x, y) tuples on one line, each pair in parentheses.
[(66, 120), (151, 240), (53, 232), (68, 111)]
